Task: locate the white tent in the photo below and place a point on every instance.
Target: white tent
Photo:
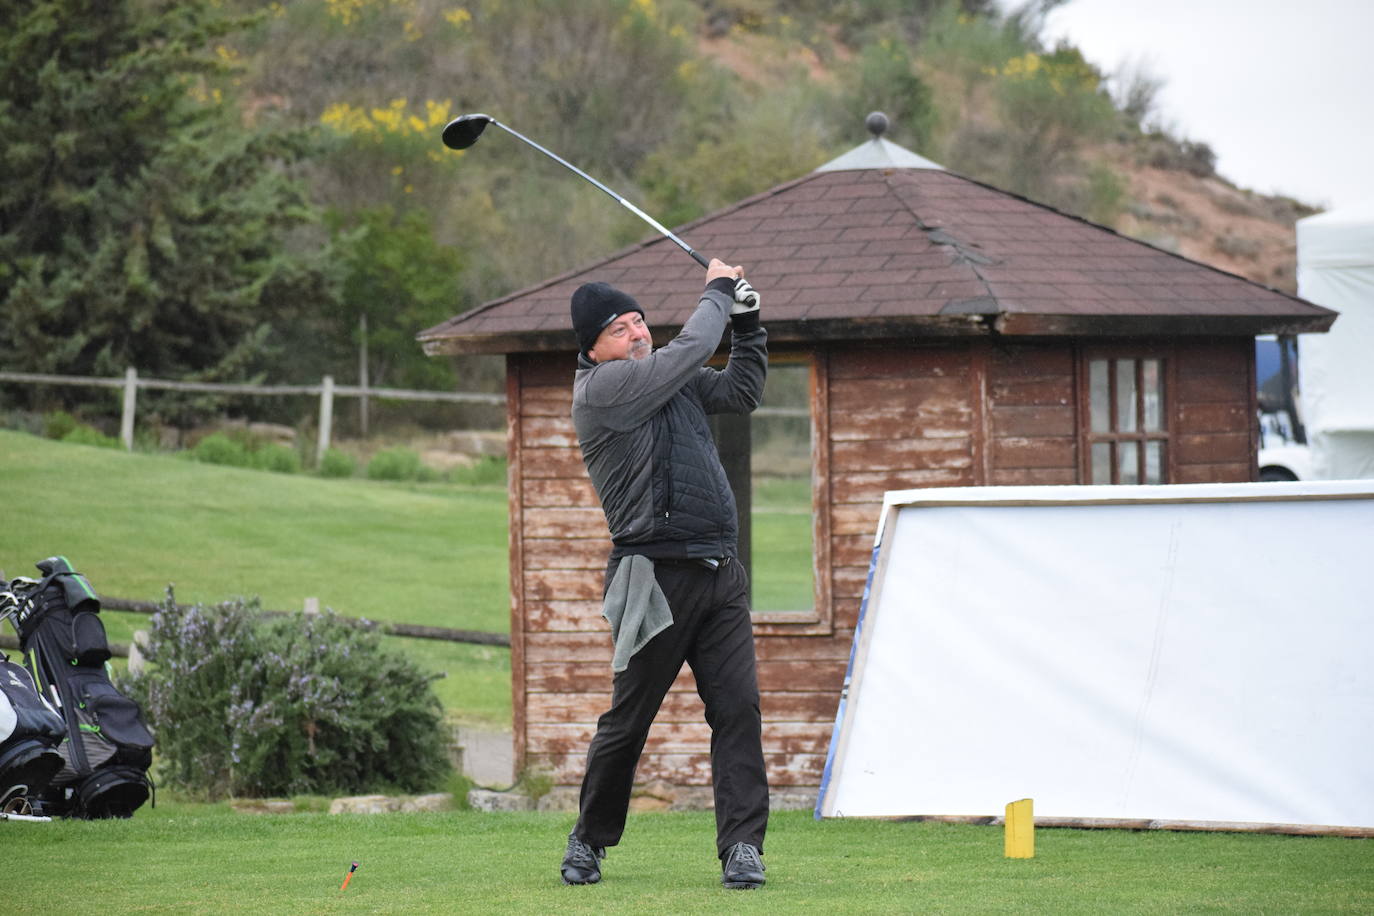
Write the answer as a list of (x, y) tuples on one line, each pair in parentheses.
[(1336, 269)]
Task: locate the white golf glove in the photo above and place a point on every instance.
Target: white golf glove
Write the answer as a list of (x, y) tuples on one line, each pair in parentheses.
[(747, 298)]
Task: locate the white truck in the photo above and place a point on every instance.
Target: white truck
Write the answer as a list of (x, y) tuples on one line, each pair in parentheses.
[(1316, 394)]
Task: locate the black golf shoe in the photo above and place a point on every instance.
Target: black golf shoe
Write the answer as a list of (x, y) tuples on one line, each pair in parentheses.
[(742, 868), (582, 863)]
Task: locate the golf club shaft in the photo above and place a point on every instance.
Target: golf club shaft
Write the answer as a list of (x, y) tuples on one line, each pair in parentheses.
[(620, 200)]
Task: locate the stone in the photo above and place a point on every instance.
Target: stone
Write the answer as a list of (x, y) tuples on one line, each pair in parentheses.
[(273, 432), (642, 803), (693, 798), (797, 799), (263, 806), (136, 647), (435, 801), (364, 804), (562, 799), (485, 757), (477, 442), (488, 800)]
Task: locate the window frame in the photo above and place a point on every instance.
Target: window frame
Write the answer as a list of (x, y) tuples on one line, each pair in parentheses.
[(1088, 437), (818, 620)]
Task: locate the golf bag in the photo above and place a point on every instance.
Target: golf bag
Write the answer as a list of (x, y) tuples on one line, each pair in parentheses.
[(30, 731), (107, 748)]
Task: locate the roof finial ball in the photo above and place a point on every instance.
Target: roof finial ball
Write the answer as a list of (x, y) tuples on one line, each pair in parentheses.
[(876, 122)]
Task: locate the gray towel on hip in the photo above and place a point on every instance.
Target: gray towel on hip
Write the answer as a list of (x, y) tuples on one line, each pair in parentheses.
[(635, 608)]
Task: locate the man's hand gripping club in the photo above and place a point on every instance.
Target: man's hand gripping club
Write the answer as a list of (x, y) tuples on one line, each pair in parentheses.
[(747, 299)]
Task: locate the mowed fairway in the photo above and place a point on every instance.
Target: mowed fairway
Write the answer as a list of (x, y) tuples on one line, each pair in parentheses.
[(134, 523), (205, 859)]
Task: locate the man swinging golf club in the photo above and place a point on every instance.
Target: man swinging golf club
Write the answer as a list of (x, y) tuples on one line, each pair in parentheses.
[(675, 589)]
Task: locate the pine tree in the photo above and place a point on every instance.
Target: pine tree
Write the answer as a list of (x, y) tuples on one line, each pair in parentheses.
[(142, 222)]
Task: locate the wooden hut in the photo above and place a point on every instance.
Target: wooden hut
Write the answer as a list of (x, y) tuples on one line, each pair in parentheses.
[(951, 334)]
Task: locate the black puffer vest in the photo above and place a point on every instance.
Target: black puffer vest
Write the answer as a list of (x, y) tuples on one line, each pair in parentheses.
[(646, 444)]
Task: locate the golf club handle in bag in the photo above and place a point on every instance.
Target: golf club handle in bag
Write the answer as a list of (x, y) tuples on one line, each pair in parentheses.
[(30, 732)]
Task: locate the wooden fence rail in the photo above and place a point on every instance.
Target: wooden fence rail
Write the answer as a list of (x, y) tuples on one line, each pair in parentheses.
[(413, 630), (326, 390), (418, 631)]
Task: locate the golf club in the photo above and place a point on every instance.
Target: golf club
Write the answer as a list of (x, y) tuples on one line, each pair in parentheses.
[(462, 132)]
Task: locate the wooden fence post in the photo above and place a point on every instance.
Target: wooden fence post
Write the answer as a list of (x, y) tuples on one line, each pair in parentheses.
[(326, 416), (362, 374), (126, 418)]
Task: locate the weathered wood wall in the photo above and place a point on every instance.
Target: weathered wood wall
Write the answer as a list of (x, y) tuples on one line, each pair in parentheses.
[(1216, 438), (946, 413)]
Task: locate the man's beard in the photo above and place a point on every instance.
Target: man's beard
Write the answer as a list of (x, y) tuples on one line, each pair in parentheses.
[(640, 349)]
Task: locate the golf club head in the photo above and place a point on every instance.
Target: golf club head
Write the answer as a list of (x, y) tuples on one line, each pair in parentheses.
[(463, 131)]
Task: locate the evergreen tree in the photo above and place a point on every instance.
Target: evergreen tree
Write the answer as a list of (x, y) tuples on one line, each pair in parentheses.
[(142, 222)]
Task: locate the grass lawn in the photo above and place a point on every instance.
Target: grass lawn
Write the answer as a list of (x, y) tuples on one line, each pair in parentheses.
[(133, 523), (199, 858), (783, 577), (431, 554)]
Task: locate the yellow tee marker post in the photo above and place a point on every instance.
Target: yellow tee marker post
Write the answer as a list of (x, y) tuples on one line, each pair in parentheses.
[(1019, 840)]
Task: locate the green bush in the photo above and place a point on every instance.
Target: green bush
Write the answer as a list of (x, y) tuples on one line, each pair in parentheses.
[(58, 424), (217, 448), (304, 704), (394, 464), (337, 464), (488, 471), (89, 435), (276, 457)]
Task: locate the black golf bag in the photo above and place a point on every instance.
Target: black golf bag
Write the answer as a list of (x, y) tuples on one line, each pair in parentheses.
[(107, 749), (30, 731)]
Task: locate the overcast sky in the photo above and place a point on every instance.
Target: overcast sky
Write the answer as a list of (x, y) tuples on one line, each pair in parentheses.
[(1281, 90)]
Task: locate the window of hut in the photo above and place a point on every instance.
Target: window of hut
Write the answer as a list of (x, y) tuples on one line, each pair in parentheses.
[(768, 458), (1127, 434)]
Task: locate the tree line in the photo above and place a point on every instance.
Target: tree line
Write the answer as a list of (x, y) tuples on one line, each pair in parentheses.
[(232, 190)]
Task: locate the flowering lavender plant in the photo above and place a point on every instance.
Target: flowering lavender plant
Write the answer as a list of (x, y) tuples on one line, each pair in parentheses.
[(250, 705)]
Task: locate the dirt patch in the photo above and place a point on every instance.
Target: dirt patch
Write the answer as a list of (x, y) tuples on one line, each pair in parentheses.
[(1209, 220)]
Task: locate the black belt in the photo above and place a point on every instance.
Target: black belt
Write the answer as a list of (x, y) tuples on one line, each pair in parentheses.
[(711, 563)]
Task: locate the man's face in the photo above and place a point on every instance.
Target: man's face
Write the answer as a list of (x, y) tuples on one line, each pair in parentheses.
[(625, 338)]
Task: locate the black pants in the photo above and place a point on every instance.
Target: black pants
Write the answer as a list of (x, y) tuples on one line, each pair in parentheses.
[(712, 632)]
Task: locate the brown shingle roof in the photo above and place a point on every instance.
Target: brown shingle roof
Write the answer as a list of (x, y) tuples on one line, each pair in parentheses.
[(902, 252)]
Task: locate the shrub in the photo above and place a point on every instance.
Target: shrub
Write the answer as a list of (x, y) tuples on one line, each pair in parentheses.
[(276, 457), (487, 471), (304, 704), (89, 435), (217, 448), (394, 464), (337, 464), (58, 424)]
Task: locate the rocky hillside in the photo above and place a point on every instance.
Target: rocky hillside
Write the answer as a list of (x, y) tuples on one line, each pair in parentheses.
[(1208, 219), (1171, 195)]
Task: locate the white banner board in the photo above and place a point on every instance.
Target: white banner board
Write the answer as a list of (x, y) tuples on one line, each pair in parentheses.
[(1177, 653)]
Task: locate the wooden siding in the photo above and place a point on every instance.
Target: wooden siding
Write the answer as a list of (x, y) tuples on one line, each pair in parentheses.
[(946, 413), (1032, 433), (1215, 437)]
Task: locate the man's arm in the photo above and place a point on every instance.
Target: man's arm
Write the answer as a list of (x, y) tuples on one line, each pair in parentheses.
[(738, 388)]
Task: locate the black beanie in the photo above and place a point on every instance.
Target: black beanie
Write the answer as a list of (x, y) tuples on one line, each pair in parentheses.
[(595, 305)]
